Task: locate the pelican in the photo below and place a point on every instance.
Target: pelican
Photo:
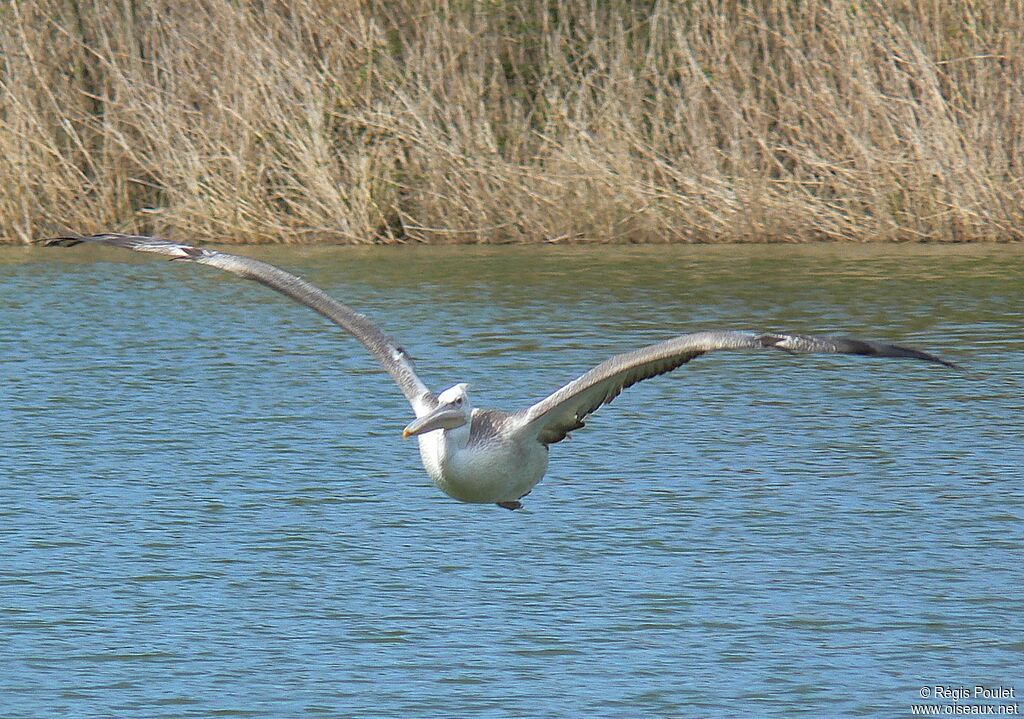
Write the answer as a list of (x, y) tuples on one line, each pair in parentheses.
[(486, 456)]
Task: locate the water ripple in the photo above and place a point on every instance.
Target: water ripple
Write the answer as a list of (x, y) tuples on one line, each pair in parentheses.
[(209, 510)]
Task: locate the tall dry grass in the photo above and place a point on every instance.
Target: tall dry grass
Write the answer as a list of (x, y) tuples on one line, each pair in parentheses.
[(466, 121)]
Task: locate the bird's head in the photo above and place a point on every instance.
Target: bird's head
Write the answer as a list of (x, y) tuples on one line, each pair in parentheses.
[(453, 410)]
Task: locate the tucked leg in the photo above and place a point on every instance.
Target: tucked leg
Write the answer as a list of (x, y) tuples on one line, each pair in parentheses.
[(510, 505)]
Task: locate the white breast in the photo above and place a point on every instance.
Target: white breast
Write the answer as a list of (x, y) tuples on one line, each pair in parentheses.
[(493, 472)]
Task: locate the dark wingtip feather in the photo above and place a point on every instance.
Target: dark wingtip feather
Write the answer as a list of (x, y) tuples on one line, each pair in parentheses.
[(65, 241), (934, 359), (852, 345), (799, 344), (139, 243)]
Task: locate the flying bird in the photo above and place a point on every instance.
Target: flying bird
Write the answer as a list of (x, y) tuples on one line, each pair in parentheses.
[(488, 455)]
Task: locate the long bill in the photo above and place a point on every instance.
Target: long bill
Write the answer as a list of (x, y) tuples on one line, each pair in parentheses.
[(446, 416)]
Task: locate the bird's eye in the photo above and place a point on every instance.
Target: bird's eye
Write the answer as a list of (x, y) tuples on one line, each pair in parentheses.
[(458, 401)]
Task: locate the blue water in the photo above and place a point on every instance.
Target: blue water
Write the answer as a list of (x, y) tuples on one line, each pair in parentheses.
[(208, 510)]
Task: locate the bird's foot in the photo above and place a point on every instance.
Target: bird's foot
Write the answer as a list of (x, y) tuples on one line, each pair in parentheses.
[(510, 505)]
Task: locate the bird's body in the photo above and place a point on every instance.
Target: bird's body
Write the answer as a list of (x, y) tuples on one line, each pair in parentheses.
[(484, 461), (486, 455)]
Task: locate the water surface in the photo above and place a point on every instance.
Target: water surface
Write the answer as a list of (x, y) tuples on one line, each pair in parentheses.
[(208, 508)]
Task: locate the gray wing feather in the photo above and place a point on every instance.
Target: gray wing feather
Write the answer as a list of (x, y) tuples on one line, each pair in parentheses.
[(564, 411), (389, 353)]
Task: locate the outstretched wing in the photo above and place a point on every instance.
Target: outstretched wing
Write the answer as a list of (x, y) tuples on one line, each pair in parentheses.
[(554, 417), (389, 353)]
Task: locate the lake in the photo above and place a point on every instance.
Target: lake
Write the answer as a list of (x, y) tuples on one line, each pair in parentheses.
[(208, 508)]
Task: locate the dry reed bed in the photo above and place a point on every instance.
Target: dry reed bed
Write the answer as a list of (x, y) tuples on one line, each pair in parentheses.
[(507, 121)]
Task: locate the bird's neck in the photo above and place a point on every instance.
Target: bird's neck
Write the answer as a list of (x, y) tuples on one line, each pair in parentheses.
[(458, 437)]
